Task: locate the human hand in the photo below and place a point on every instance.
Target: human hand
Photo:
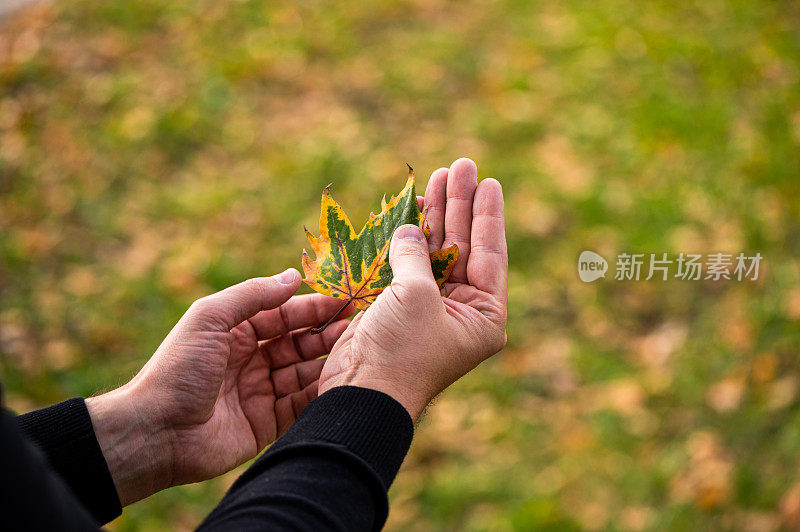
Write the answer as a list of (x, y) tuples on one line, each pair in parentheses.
[(231, 376), (416, 340)]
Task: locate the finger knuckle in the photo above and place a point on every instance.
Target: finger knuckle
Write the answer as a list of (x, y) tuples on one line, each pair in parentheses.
[(253, 285), (200, 306), (412, 251), (419, 284), (255, 288), (418, 288), (489, 249)]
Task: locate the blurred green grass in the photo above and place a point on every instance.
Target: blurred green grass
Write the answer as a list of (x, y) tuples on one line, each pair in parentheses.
[(152, 152)]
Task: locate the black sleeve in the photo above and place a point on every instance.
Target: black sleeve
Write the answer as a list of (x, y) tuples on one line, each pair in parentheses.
[(32, 496), (330, 471), (63, 434)]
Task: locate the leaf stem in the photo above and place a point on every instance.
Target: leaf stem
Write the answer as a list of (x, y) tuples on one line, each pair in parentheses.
[(318, 330)]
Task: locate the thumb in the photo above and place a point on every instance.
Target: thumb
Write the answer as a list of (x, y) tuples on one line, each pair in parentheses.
[(228, 308), (408, 255)]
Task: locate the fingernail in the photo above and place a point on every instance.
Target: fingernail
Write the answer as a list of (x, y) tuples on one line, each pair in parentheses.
[(287, 277), (409, 232)]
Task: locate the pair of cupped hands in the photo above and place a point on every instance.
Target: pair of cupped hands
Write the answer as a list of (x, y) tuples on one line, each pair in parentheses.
[(241, 365)]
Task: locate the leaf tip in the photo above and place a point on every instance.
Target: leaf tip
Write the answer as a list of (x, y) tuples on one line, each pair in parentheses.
[(311, 238)]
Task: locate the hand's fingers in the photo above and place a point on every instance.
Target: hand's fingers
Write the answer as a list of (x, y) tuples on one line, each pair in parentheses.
[(294, 378), (228, 308), (487, 268), (435, 198), (311, 310), (298, 345), (421, 202), (289, 407), (409, 258), (462, 179)]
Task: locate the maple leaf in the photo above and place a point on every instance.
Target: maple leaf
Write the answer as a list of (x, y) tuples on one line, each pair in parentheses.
[(355, 266)]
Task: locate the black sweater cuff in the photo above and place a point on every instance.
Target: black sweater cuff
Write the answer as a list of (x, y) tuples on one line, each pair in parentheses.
[(361, 433), (64, 433), (369, 423)]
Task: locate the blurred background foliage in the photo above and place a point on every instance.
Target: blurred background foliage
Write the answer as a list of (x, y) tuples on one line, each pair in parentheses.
[(154, 151)]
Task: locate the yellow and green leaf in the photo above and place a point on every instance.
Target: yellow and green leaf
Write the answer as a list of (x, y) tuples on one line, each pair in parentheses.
[(355, 266)]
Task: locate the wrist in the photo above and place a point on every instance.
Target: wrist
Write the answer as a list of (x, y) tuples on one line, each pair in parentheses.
[(413, 401), (134, 447)]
